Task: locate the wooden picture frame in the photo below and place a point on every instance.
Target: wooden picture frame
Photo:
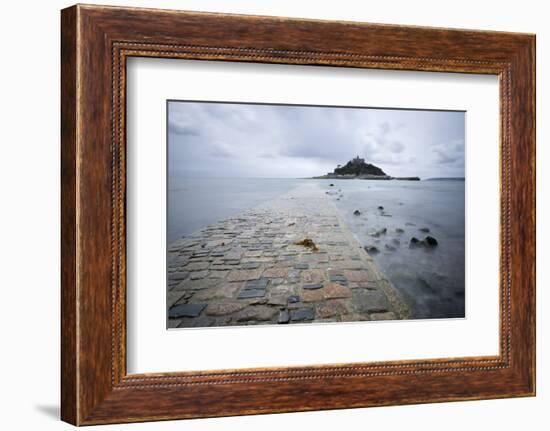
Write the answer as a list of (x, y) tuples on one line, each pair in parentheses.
[(95, 43)]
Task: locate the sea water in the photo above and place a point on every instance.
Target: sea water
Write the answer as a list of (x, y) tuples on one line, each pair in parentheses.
[(430, 280), (194, 203)]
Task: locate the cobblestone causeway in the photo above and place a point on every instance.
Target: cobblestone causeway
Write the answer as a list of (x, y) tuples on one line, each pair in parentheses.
[(247, 270)]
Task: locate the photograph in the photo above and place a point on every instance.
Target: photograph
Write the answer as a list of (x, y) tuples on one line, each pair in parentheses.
[(293, 214)]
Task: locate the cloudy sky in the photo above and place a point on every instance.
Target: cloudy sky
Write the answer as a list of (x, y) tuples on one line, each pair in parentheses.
[(276, 141)]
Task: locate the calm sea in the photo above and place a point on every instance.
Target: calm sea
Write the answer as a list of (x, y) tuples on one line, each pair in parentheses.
[(430, 280), (194, 203)]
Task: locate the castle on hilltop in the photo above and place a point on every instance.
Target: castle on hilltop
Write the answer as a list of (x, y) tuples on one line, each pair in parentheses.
[(358, 167)]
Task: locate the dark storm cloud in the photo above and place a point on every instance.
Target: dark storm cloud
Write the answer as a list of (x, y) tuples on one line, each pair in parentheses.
[(216, 139)]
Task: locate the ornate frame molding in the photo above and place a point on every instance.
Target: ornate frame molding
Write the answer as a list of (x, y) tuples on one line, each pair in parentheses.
[(96, 41)]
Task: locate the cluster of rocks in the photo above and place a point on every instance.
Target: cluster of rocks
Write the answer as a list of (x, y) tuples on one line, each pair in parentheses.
[(429, 242)]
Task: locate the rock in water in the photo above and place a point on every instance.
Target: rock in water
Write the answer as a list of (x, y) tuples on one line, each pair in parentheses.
[(331, 185), (381, 208), (430, 241), (415, 242), (399, 230), (390, 247), (356, 212), (424, 229), (378, 233), (371, 250)]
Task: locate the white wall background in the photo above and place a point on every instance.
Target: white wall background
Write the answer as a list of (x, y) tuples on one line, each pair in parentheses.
[(29, 214)]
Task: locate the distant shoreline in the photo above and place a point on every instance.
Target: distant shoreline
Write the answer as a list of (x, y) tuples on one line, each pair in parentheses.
[(364, 177), (446, 179)]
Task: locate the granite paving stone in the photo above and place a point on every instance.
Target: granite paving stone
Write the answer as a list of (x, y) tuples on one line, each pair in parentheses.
[(204, 283), (313, 295), (331, 308), (313, 276), (225, 290), (244, 274), (179, 275), (293, 299), (259, 283), (198, 275), (186, 310), (198, 322), (335, 290), (354, 317), (347, 264), (197, 266), (217, 273), (284, 317), (173, 297), (366, 301), (275, 273), (251, 293), (388, 315), (358, 276), (224, 307), (277, 300), (302, 314), (257, 301), (337, 278), (312, 286), (174, 323), (256, 313)]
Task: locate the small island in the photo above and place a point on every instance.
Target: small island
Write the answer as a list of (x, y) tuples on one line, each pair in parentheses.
[(358, 169)]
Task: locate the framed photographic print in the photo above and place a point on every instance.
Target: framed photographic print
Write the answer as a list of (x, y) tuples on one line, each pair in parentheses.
[(266, 215)]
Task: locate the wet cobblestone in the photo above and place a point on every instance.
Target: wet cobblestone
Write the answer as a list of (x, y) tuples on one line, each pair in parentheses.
[(247, 270)]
